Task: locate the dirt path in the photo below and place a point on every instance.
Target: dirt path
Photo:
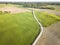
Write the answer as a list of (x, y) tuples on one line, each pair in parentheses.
[(41, 28), (50, 36), (50, 11)]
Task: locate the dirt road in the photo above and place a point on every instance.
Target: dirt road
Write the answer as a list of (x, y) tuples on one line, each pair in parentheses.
[(51, 35), (50, 11), (41, 27)]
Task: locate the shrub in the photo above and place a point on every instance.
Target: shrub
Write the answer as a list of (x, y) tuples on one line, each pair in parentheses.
[(1, 12), (43, 7), (6, 11)]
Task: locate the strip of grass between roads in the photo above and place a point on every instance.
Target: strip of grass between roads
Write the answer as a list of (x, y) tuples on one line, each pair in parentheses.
[(46, 18)]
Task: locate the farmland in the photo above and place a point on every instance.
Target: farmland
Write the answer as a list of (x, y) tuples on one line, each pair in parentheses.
[(19, 26)]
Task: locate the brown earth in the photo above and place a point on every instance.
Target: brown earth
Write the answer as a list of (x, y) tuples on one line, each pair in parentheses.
[(14, 9), (51, 35)]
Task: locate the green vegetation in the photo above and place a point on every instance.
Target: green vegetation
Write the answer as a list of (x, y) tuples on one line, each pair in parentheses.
[(7, 5), (47, 7), (57, 8), (46, 19), (0, 12), (2, 5), (22, 28), (18, 29), (4, 12), (39, 5), (19, 6)]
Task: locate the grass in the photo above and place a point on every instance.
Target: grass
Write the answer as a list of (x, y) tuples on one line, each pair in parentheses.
[(18, 29), (21, 28), (57, 8), (19, 6), (46, 19), (2, 5), (7, 5)]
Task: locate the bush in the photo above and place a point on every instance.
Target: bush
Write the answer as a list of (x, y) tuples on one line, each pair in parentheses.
[(1, 12), (52, 8), (6, 11)]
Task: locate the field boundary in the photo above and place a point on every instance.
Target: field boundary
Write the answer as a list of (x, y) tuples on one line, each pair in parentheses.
[(40, 25)]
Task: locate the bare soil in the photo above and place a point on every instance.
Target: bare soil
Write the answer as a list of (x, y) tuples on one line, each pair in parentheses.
[(14, 9), (51, 35)]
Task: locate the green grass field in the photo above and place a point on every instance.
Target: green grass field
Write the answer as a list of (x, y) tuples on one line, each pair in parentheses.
[(47, 19), (18, 29), (22, 28)]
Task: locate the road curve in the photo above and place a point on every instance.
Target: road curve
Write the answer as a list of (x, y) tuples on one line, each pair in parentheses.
[(34, 43)]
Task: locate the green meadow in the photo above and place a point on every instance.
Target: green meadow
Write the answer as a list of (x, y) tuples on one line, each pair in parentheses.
[(47, 19), (21, 28), (18, 29)]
